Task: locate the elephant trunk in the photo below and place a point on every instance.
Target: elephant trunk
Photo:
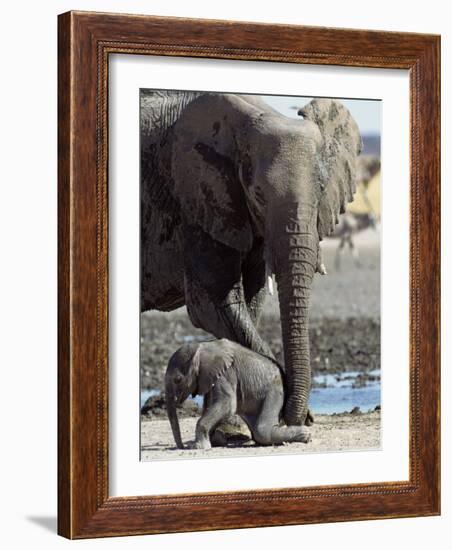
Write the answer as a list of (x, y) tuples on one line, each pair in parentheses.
[(172, 415), (295, 265)]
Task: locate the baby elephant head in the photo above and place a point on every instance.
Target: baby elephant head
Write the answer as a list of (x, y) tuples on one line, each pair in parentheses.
[(180, 381), (193, 369)]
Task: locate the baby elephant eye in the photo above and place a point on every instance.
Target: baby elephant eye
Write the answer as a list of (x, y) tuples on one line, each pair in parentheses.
[(177, 379)]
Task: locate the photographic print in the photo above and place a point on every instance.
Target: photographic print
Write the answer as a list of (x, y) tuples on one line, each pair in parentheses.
[(260, 274)]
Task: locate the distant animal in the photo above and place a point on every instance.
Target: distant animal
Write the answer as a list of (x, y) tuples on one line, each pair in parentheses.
[(352, 223), (349, 225), (367, 167), (233, 380)]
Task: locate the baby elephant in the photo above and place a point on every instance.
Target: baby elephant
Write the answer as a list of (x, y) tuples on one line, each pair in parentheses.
[(233, 380)]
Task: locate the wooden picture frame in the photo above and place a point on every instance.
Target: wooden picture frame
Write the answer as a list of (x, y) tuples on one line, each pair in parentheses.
[(85, 42)]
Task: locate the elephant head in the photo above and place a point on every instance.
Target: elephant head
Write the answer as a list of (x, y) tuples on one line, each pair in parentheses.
[(193, 369), (242, 171)]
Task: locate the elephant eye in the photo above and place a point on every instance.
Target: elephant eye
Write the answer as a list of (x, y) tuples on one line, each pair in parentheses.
[(177, 379)]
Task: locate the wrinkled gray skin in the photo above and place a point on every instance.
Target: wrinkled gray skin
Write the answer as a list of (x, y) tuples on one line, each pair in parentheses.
[(233, 380), (233, 192)]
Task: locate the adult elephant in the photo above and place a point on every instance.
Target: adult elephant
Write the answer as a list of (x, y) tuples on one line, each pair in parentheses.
[(233, 192)]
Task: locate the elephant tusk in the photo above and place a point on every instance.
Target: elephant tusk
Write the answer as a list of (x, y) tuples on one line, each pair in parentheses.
[(270, 285), (322, 270), (269, 278)]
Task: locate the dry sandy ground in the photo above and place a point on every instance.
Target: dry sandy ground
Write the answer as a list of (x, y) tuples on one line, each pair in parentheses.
[(329, 433)]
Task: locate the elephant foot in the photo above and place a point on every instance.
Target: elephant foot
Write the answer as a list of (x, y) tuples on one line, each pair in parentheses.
[(303, 436), (281, 435), (233, 430), (203, 444)]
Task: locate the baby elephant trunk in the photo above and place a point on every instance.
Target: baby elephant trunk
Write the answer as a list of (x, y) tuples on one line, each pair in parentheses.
[(172, 416)]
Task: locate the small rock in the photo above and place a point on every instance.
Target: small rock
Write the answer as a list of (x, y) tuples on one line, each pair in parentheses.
[(155, 406), (356, 410)]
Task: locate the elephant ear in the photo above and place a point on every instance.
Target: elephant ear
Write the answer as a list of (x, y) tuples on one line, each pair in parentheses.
[(336, 162), (212, 360), (204, 170)]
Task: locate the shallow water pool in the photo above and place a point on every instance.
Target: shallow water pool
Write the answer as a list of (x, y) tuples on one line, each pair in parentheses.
[(330, 394)]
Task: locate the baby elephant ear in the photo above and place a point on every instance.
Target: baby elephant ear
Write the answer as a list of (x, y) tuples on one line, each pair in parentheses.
[(214, 358), (339, 148)]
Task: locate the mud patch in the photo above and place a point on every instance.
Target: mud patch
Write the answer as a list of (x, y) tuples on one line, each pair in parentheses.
[(337, 345)]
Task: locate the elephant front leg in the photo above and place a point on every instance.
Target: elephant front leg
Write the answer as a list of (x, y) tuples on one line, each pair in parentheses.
[(221, 406), (236, 317), (214, 292)]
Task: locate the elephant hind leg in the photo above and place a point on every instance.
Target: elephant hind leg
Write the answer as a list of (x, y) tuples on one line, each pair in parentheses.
[(267, 430), (277, 435)]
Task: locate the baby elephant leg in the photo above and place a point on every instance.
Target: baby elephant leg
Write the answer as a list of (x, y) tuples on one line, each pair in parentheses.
[(221, 404), (267, 430)]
